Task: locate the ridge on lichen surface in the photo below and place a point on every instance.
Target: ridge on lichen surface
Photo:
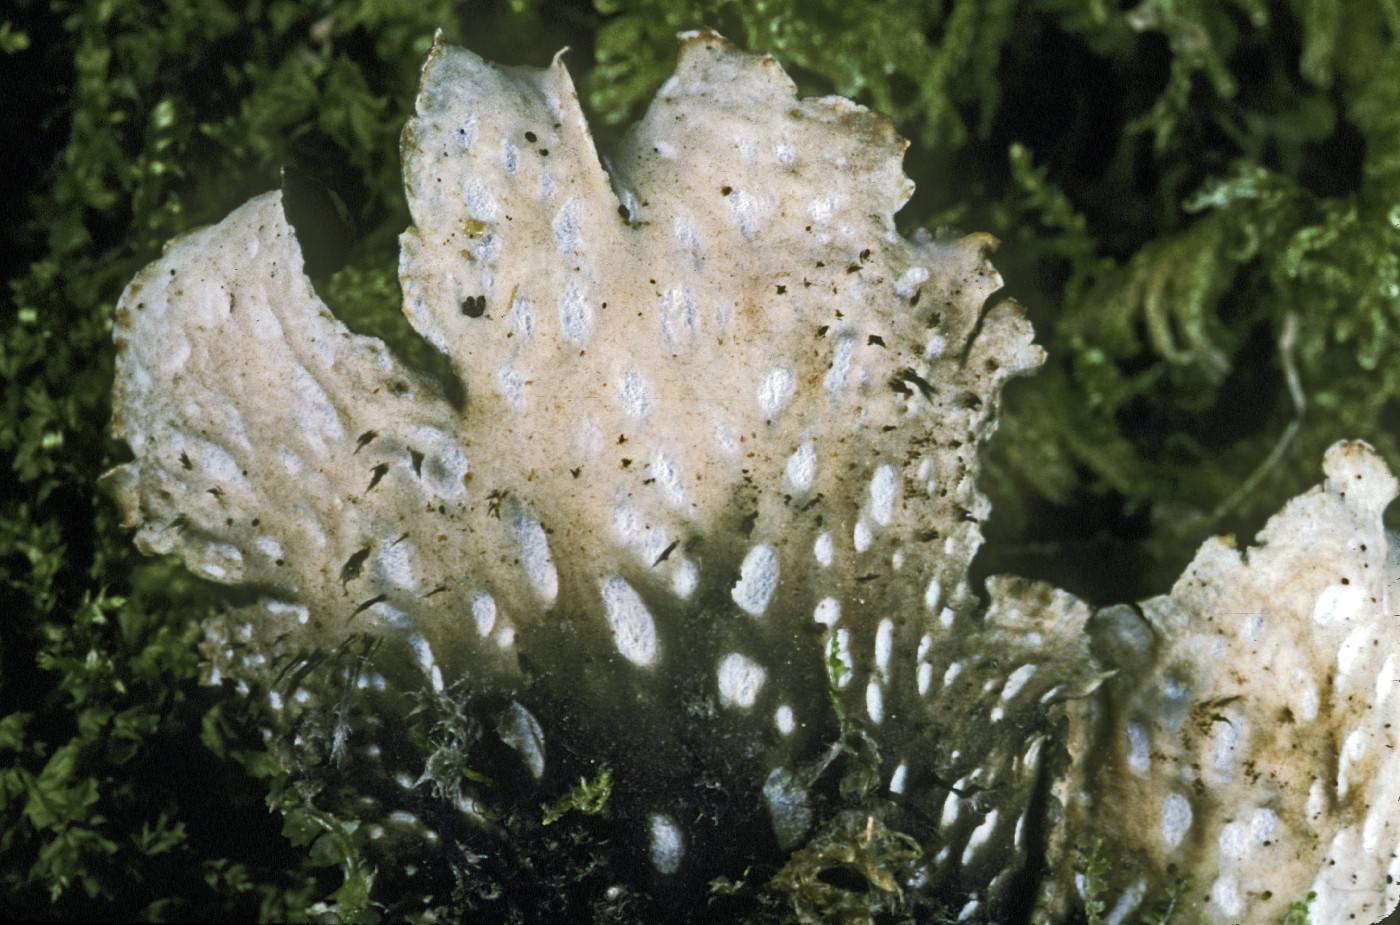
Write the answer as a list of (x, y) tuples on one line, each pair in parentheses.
[(717, 431)]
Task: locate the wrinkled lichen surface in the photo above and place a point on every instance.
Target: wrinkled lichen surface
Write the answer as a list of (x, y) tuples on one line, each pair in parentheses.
[(702, 515)]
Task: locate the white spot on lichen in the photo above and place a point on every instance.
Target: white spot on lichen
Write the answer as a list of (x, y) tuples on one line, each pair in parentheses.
[(635, 396), (784, 154), (392, 565), (1226, 735), (291, 462), (740, 680), (522, 316), (884, 645), (1017, 680), (1176, 819), (1225, 894), (882, 493), (787, 807), (519, 729), (912, 279), (575, 314), (1385, 680), (1139, 748), (686, 579), (1234, 841), (466, 133), (1339, 603), (840, 364), (228, 557), (535, 557), (1357, 641), (687, 239), (952, 673), (512, 386), (665, 473), (925, 677), (802, 466), (1263, 824), (784, 720), (218, 465), (510, 157), (932, 595), (828, 611), (945, 618), (874, 701), (821, 209), (283, 609), (444, 463), (897, 779), (725, 439), (1031, 758), (979, 837), (861, 536), (632, 528), (680, 316), (822, 550), (952, 809), (480, 204), (634, 631), (774, 392), (1127, 903), (746, 213), (1353, 749), (1309, 707), (667, 848), (567, 235), (1315, 800), (758, 579), (484, 612), (424, 653), (1376, 821)]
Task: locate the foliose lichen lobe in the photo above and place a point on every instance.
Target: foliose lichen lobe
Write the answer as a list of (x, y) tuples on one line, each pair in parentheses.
[(1250, 727), (701, 528), (719, 417)]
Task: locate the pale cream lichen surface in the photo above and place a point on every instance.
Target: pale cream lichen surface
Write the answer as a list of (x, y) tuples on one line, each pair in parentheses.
[(721, 422), (1251, 729)]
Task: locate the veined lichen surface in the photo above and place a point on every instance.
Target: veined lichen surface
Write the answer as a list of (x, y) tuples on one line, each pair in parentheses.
[(703, 517)]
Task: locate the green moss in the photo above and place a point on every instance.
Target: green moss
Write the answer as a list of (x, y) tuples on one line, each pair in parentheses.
[(588, 796), (849, 874)]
